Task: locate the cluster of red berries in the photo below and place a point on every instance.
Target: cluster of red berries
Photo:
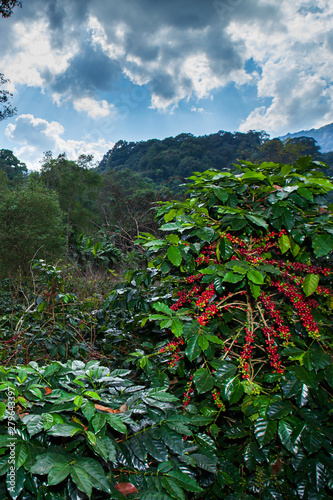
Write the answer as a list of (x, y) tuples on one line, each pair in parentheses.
[(246, 352), (275, 315), (174, 349), (206, 296), (207, 315), (207, 255), (186, 296), (187, 393), (272, 349), (217, 400), (301, 304)]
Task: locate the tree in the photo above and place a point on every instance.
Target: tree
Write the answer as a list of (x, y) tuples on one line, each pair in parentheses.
[(6, 7), (75, 184), (6, 110), (30, 224), (12, 166)]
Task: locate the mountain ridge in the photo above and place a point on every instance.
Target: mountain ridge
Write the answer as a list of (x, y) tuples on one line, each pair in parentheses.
[(323, 136)]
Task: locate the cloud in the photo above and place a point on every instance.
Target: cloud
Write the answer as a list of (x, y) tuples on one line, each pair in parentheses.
[(93, 108), (178, 50), (35, 135)]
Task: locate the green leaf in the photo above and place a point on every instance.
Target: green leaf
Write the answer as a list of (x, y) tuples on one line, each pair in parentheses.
[(174, 256), (279, 409), (34, 423), (284, 243), (172, 439), (205, 233), (193, 349), (322, 244), (64, 430), (17, 488), (172, 487), (155, 448), (58, 473), (161, 307), (98, 421), (170, 215), (255, 276), (310, 284), (203, 380), (2, 409), (285, 431), (232, 390), (185, 481), (95, 473), (233, 277), (258, 221), (264, 431), (224, 372), (177, 327), (81, 479), (203, 342), (117, 424)]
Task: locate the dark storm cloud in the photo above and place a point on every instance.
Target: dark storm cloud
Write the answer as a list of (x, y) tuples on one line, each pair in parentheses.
[(89, 70)]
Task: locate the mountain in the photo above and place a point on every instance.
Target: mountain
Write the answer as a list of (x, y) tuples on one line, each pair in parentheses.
[(323, 136)]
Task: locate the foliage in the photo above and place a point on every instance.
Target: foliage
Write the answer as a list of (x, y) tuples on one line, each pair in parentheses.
[(83, 431), (6, 110), (51, 323), (248, 257), (12, 166), (30, 223), (6, 7)]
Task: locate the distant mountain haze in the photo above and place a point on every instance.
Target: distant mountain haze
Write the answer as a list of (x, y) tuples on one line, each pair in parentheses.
[(323, 136)]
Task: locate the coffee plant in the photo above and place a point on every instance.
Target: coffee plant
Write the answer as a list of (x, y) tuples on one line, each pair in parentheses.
[(215, 379)]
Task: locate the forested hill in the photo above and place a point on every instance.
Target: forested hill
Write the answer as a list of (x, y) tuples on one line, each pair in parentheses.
[(184, 154)]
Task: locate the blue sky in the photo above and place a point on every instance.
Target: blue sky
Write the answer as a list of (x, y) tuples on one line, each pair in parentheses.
[(87, 73)]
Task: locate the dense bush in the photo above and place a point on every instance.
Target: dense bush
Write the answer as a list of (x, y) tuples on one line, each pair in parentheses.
[(229, 330), (248, 259)]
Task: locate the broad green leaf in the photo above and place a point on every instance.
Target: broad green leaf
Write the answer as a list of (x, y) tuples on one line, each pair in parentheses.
[(322, 244), (255, 276), (34, 423), (233, 277), (203, 342), (193, 349), (2, 409), (284, 243), (172, 439), (98, 421), (170, 215), (17, 488), (203, 380), (156, 448), (264, 431), (285, 431), (279, 409), (205, 233), (221, 194), (81, 479), (58, 473), (310, 284), (258, 221), (177, 327), (185, 481), (117, 424), (161, 307), (174, 256), (95, 472), (173, 488), (224, 372)]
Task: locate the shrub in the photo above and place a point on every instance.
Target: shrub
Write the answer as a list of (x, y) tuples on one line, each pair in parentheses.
[(248, 258)]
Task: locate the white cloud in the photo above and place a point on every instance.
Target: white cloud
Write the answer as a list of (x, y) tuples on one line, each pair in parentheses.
[(31, 56), (296, 62), (33, 136), (94, 109)]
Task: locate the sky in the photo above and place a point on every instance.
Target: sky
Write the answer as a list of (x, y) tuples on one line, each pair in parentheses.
[(87, 73)]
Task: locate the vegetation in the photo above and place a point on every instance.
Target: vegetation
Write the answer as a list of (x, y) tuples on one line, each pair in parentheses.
[(207, 373)]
